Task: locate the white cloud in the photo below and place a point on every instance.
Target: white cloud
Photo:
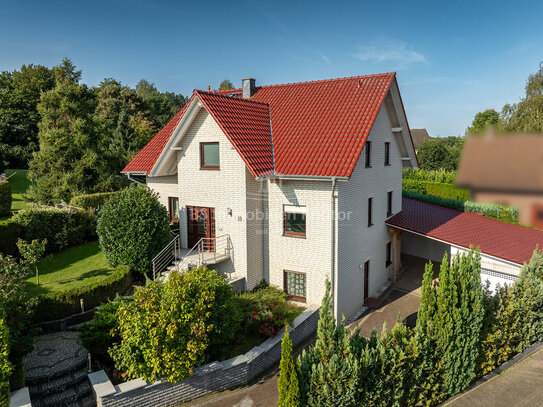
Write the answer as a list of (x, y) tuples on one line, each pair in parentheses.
[(387, 50)]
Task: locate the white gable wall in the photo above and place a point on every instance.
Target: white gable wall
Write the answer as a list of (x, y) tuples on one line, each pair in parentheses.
[(222, 189), (358, 243)]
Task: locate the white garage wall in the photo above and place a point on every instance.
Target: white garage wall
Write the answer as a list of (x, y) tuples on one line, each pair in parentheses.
[(493, 270), (424, 247)]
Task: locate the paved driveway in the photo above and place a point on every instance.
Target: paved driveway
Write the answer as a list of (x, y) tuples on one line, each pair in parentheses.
[(519, 386), (400, 301)]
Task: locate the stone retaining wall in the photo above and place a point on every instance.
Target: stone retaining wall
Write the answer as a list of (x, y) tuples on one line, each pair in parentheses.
[(215, 376)]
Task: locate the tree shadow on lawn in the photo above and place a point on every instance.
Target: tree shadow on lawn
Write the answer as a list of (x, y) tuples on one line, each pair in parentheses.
[(58, 286), (65, 259)]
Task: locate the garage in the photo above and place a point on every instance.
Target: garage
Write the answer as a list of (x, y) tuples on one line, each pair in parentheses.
[(428, 231)]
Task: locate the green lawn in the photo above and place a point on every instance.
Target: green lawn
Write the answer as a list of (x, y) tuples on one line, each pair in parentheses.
[(19, 184), (76, 266)]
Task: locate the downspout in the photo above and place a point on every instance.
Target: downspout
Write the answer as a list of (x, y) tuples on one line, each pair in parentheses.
[(333, 244)]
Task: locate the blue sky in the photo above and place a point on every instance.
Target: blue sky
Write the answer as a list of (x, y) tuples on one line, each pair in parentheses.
[(453, 58)]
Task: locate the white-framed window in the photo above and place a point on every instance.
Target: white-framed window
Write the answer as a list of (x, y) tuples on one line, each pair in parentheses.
[(294, 220)]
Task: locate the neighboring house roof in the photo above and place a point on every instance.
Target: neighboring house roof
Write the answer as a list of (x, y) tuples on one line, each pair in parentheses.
[(314, 128), (502, 162), (506, 241), (419, 136)]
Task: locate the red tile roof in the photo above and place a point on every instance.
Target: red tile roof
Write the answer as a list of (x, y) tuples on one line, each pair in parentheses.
[(317, 128), (506, 241), (246, 123)]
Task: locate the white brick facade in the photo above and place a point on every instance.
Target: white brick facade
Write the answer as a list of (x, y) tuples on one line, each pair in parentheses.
[(358, 243), (251, 213), (166, 187)]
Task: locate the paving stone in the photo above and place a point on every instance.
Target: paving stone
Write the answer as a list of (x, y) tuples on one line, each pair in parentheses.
[(55, 372), (54, 355)]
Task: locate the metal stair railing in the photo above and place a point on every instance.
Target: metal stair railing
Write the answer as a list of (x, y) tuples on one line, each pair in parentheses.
[(166, 256), (220, 245)]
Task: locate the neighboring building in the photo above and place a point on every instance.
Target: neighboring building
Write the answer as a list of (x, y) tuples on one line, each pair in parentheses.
[(505, 169), (288, 183), (419, 136)]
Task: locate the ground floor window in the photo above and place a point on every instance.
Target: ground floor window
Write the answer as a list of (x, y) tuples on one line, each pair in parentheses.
[(174, 209), (295, 285)]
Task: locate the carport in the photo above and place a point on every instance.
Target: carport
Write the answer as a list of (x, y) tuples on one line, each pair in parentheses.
[(428, 231)]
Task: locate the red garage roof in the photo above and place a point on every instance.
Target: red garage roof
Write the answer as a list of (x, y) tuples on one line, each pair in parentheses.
[(503, 240), (315, 128)]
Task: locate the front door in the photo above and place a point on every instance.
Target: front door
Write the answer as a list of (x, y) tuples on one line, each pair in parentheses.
[(366, 279), (201, 224)]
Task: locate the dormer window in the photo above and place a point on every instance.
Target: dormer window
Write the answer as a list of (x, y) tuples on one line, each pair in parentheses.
[(209, 156)]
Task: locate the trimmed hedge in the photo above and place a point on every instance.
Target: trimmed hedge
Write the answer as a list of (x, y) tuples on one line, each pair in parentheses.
[(62, 228), (418, 174), (5, 198), (500, 212), (443, 190), (61, 305), (91, 201)]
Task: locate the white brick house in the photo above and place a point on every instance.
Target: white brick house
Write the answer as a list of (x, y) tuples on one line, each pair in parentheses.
[(267, 167)]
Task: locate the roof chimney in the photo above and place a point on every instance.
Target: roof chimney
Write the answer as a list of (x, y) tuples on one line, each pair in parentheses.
[(209, 88), (248, 87)]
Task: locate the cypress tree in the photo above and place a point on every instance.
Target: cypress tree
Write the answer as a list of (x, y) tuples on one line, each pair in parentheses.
[(329, 370), (459, 319), (289, 386)]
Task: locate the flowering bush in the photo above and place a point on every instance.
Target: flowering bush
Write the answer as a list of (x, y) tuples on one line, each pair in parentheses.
[(265, 319), (267, 311)]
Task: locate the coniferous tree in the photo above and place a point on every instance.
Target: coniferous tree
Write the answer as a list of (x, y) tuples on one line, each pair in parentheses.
[(68, 162), (329, 369), (289, 386)]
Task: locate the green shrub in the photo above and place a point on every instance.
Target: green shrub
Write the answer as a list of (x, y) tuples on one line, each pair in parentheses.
[(133, 228), (62, 228), (418, 174), (5, 365), (99, 335), (54, 306), (91, 201), (9, 234), (499, 212), (5, 198), (166, 331), (266, 311), (448, 191)]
